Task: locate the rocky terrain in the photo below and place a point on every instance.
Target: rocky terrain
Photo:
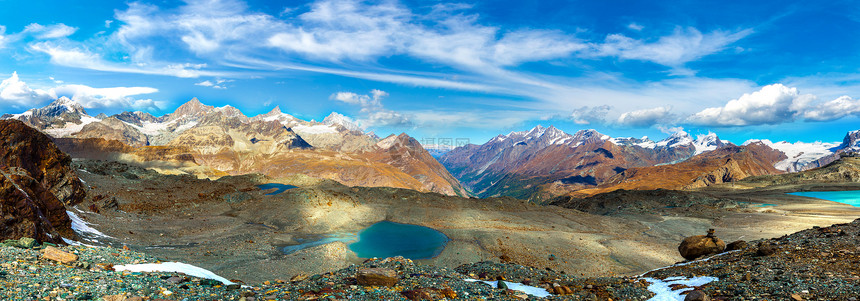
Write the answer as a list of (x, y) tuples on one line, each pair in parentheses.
[(815, 264)]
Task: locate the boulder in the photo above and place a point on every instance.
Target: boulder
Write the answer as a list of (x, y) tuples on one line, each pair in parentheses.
[(59, 255), (701, 245), (737, 245), (765, 249), (376, 276), (697, 295)]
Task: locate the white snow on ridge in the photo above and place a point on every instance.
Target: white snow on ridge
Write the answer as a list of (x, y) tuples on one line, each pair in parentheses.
[(152, 128), (799, 153), (663, 290), (71, 128), (314, 129), (704, 143), (531, 290), (172, 267)]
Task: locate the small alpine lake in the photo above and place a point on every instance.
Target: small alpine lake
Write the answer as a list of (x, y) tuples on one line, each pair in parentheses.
[(850, 197), (280, 188), (382, 239), (387, 239)]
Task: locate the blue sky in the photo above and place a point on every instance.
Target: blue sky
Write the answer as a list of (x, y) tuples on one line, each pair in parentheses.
[(779, 70)]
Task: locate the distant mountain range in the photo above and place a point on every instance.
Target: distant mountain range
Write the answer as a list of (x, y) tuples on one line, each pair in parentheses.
[(545, 162), (215, 141), (538, 164)]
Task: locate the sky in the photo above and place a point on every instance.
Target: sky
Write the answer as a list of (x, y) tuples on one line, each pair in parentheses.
[(778, 70)]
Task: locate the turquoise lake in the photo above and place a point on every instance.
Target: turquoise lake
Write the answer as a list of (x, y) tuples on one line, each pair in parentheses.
[(280, 187), (387, 239), (850, 197)]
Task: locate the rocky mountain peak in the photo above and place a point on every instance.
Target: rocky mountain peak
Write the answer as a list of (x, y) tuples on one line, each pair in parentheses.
[(191, 108), (851, 140)]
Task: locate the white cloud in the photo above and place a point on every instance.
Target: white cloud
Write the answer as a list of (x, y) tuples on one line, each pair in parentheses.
[(772, 104), (374, 113), (81, 58), (589, 115), (646, 117), (107, 23), (2, 36), (636, 27), (18, 94), (683, 46), (834, 109), (217, 84), (51, 31), (116, 97)]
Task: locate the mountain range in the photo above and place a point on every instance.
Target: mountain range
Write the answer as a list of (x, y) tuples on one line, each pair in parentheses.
[(212, 141), (545, 162), (537, 165)]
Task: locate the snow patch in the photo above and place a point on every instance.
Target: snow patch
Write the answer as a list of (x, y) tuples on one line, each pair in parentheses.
[(184, 127), (82, 227), (314, 129), (531, 290), (71, 128), (172, 267), (663, 290)]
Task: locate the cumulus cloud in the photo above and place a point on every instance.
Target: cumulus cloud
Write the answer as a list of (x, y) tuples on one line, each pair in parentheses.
[(18, 94), (834, 109), (646, 117), (773, 104), (589, 115), (374, 112)]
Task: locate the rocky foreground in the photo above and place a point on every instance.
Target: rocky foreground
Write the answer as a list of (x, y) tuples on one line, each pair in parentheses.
[(815, 264)]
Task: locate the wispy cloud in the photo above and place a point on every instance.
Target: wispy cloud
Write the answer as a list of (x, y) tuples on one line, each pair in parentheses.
[(216, 84), (50, 31), (682, 46)]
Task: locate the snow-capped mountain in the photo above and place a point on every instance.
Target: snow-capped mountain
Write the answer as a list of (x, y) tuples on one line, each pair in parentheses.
[(60, 118), (336, 118), (800, 154)]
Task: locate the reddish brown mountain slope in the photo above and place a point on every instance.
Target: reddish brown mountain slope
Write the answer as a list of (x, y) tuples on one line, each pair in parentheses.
[(724, 165)]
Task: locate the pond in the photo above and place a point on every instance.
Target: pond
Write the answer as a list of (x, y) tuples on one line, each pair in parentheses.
[(850, 197), (280, 187), (382, 239), (387, 239)]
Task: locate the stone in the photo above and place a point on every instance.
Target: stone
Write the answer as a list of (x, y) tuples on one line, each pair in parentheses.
[(376, 276), (120, 297), (299, 277), (701, 245), (796, 297), (737, 245), (59, 255), (765, 249), (26, 242), (697, 295), (502, 285), (415, 295)]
